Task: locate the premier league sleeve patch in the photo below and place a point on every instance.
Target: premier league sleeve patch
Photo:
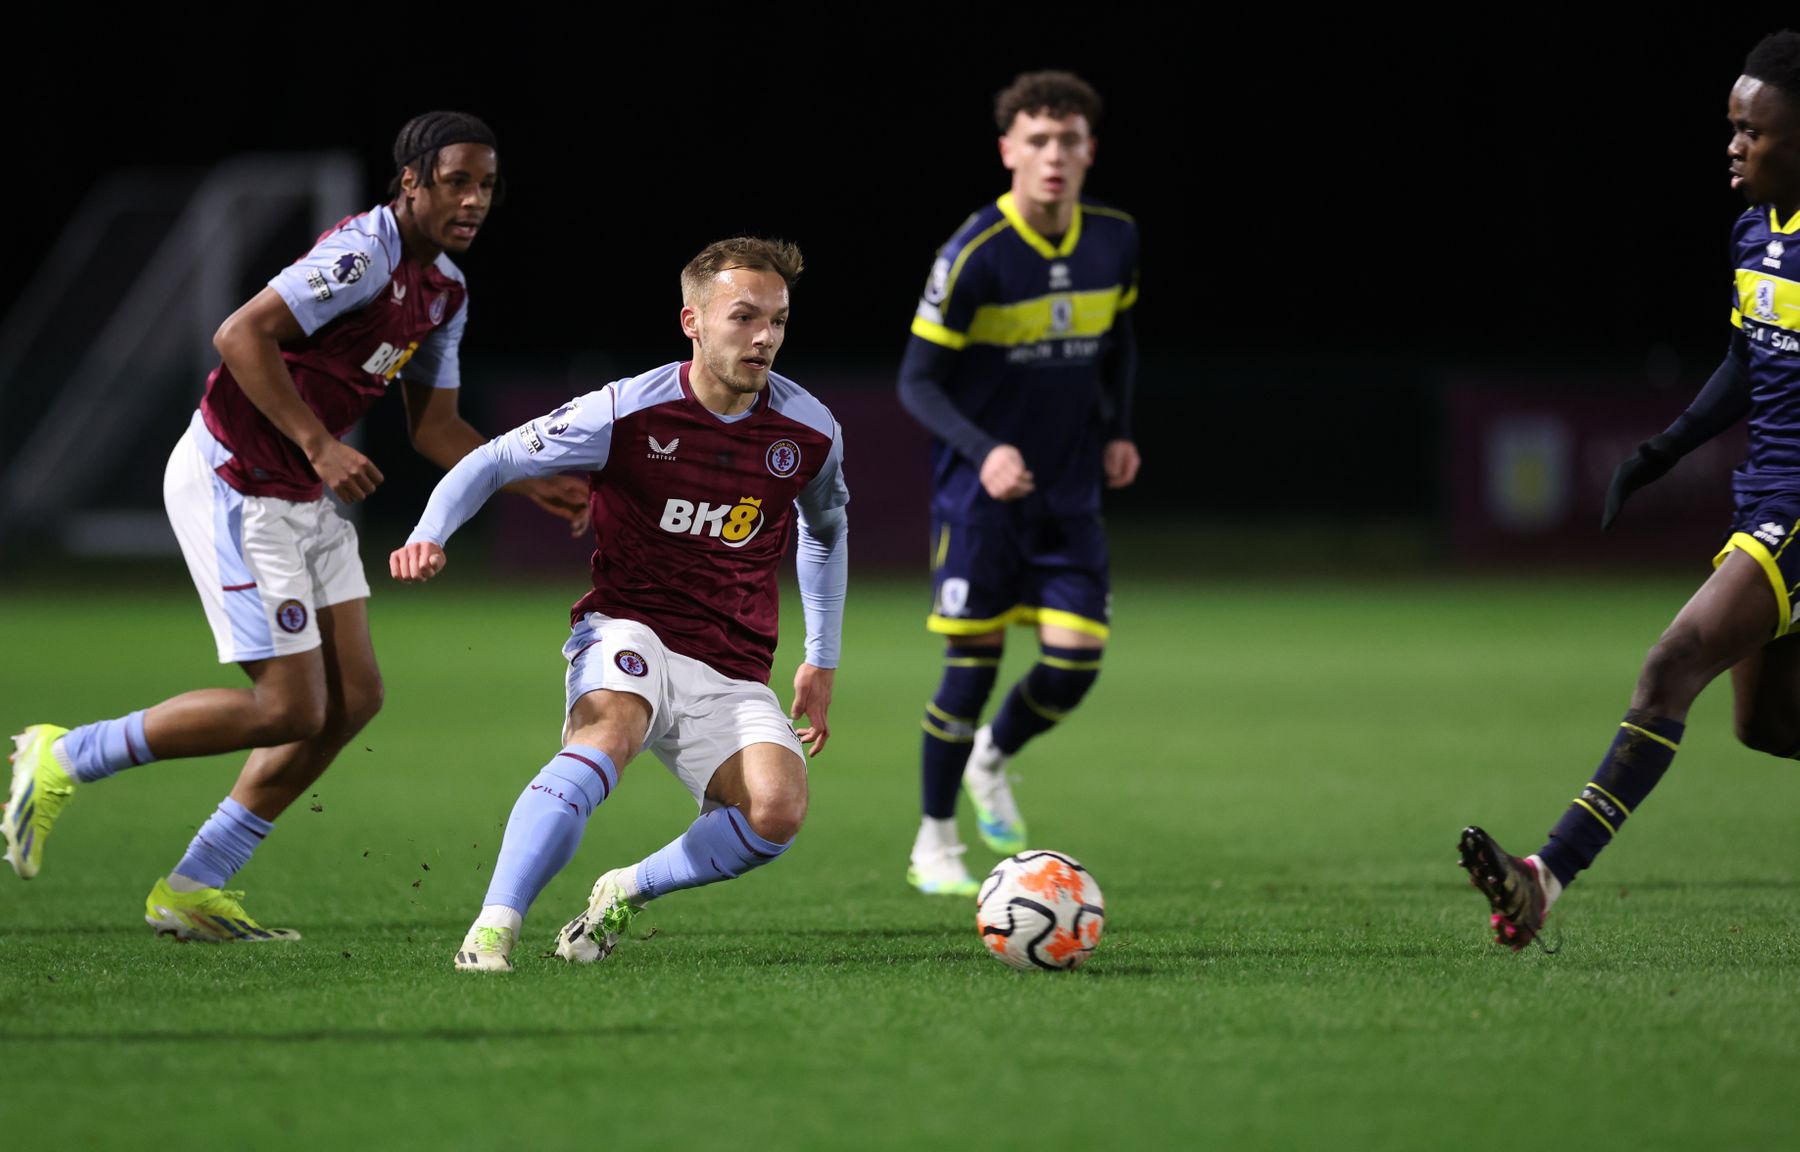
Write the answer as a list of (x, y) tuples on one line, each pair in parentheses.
[(350, 267), (783, 458), (631, 663)]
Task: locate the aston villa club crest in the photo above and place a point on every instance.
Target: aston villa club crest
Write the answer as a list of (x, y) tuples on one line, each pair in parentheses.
[(291, 616), (783, 458), (438, 304), (631, 663)]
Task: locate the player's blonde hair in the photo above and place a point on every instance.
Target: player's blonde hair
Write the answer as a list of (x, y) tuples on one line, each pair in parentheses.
[(753, 252)]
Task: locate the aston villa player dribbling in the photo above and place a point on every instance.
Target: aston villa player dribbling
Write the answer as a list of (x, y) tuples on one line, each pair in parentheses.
[(701, 471), (1743, 617)]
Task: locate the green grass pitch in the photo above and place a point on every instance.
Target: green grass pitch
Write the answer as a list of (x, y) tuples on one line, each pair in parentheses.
[(1267, 782)]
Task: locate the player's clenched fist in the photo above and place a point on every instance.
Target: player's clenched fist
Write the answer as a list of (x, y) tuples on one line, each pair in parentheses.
[(417, 562), (1004, 474)]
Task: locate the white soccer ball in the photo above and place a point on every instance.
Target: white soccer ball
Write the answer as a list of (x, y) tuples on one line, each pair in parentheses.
[(1040, 910)]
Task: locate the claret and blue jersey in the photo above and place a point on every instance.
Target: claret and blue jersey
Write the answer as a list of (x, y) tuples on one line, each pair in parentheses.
[(1031, 320)]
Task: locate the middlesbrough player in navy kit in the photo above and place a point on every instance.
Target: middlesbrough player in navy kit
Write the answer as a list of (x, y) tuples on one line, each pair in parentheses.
[(1743, 617), (277, 567), (701, 472), (1021, 365)]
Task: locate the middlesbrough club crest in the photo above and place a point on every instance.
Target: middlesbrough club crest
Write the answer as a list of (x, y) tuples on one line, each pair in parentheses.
[(783, 458)]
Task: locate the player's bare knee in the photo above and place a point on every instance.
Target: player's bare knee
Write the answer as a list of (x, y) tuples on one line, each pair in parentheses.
[(364, 704), (286, 719), (778, 821), (361, 705), (777, 810), (1673, 671)]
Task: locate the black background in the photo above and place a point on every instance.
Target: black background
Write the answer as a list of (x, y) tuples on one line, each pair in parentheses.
[(1336, 214)]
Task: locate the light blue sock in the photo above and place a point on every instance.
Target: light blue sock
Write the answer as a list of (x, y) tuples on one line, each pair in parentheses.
[(718, 846), (96, 751), (223, 845), (546, 824)]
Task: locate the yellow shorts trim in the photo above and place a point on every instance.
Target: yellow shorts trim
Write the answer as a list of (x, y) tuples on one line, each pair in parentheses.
[(1755, 550), (958, 626), (1057, 618), (1023, 614)]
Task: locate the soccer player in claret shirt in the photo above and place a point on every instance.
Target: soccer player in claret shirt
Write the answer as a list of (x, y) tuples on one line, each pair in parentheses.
[(376, 299), (1021, 365), (701, 472), (1743, 616)]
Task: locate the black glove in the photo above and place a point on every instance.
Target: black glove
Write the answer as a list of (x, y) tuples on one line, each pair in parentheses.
[(1653, 458)]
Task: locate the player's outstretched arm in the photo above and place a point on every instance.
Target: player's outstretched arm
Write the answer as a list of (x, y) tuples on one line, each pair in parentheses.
[(440, 434), (250, 343), (1721, 403)]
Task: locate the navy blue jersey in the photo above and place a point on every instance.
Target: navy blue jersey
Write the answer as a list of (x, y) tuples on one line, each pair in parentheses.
[(1766, 306), (1030, 321)]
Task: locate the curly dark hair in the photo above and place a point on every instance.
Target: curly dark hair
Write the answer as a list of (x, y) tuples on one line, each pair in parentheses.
[(1052, 93), (422, 137)]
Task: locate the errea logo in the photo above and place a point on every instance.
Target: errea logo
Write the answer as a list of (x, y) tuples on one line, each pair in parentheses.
[(1775, 250), (734, 524), (1769, 533)]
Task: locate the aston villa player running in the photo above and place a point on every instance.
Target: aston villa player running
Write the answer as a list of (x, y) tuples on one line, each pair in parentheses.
[(377, 301), (1742, 618), (701, 471)]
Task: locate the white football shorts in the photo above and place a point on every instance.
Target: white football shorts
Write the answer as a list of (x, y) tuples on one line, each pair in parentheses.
[(698, 717), (263, 566)]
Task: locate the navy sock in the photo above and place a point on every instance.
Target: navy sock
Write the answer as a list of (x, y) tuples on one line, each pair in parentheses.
[(1050, 691), (1640, 754), (950, 722)]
